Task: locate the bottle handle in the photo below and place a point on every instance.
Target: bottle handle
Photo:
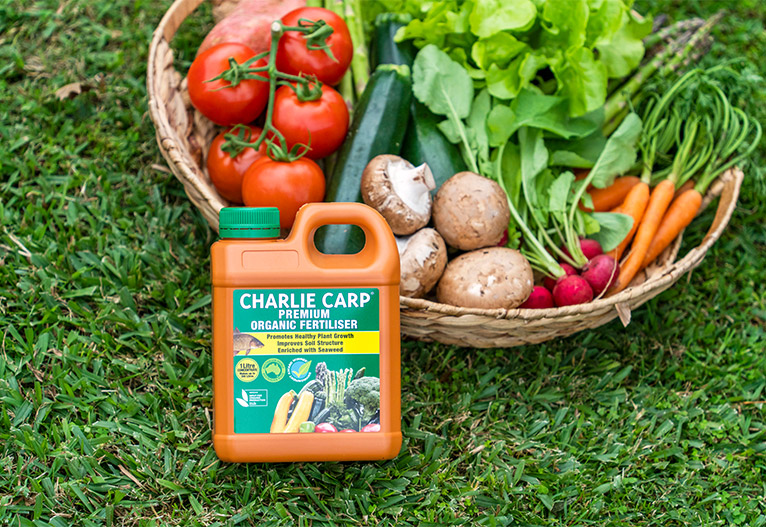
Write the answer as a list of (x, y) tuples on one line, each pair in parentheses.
[(379, 240)]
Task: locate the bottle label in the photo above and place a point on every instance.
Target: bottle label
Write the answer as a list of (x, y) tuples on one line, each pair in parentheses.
[(306, 360)]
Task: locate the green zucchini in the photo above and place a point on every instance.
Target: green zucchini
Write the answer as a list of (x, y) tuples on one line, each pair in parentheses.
[(384, 49), (378, 127), (425, 143)]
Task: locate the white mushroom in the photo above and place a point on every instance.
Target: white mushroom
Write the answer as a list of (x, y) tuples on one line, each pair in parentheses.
[(400, 191), (471, 211), (423, 256), (496, 277)]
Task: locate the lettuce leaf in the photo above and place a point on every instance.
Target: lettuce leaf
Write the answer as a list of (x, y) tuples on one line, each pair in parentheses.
[(493, 16), (568, 48)]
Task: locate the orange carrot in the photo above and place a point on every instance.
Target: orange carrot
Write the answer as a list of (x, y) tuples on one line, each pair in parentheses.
[(683, 188), (581, 173), (634, 206), (611, 196), (680, 214), (659, 201)]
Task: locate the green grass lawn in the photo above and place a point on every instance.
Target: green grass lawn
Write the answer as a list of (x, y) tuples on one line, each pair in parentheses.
[(105, 368)]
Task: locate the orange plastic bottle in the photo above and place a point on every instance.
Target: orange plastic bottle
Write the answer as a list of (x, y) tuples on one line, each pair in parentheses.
[(303, 342)]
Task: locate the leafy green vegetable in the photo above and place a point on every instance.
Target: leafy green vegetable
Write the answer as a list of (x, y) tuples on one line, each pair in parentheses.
[(622, 53), (559, 194), (619, 153), (498, 49), (564, 23), (534, 159), (512, 45), (618, 156), (507, 140), (577, 153), (613, 228), (507, 83), (445, 87), (493, 16), (442, 84), (539, 111)]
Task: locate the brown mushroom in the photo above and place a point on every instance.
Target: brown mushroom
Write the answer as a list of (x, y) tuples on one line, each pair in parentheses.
[(471, 211), (423, 256), (491, 278), (400, 191)]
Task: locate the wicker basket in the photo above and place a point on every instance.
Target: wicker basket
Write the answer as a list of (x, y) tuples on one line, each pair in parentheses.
[(183, 135)]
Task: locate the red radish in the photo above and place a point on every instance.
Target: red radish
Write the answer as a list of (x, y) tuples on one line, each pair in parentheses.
[(572, 290), (539, 298), (589, 248), (503, 240), (550, 283), (601, 272), (372, 427), (348, 430)]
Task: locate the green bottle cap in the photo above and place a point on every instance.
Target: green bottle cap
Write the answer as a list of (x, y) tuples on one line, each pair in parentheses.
[(248, 222)]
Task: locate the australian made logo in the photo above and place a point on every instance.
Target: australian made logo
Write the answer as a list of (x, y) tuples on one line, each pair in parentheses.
[(273, 370)]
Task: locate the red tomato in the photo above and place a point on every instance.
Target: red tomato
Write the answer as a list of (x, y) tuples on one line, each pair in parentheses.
[(284, 185), (324, 428), (294, 57), (226, 106), (227, 173), (322, 123)]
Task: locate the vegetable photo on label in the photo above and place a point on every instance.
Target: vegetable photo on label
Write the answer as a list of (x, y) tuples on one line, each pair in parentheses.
[(347, 401), (280, 414), (300, 413)]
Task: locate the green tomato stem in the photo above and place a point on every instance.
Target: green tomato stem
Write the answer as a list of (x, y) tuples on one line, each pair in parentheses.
[(277, 146)]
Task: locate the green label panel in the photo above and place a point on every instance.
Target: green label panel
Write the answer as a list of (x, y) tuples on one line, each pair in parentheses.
[(306, 360), (300, 310)]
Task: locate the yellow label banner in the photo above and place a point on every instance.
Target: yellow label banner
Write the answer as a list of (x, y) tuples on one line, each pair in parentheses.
[(307, 343)]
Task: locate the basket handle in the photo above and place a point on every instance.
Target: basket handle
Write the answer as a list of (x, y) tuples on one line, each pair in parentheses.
[(175, 15)]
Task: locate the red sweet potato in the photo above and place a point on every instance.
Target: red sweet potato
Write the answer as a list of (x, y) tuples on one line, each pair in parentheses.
[(249, 23)]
